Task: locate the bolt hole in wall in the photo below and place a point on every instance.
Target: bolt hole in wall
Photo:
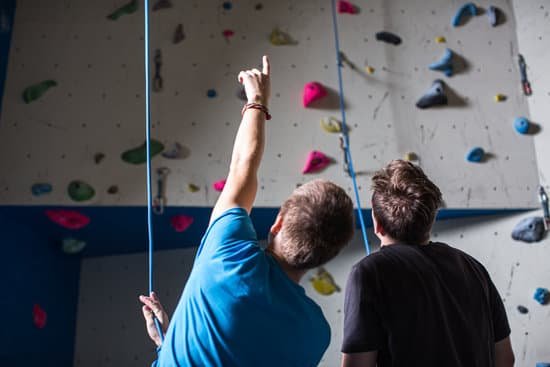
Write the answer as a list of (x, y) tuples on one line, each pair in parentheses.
[(461, 93)]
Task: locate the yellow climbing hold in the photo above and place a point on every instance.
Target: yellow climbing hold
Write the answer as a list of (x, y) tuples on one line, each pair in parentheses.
[(324, 283), (369, 70), (193, 188), (280, 38), (500, 98), (440, 39), (331, 125), (410, 156)]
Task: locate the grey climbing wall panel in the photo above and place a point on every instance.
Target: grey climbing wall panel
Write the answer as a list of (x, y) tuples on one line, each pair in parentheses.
[(111, 332), (98, 105)]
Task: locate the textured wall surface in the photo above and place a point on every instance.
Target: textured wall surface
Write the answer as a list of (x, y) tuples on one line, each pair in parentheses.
[(98, 105)]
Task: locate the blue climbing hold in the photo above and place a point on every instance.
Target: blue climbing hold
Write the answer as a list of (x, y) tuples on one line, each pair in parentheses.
[(521, 124), (542, 364), (39, 189), (529, 230), (493, 15), (211, 93), (466, 9), (445, 64), (227, 5), (475, 155), (542, 296)]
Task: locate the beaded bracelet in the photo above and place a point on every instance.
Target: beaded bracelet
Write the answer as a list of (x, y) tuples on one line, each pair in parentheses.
[(257, 106)]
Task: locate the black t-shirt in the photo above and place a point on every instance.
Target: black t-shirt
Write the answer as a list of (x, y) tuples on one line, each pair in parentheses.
[(430, 305)]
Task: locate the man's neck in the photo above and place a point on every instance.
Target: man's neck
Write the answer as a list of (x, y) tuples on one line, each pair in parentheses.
[(294, 274)]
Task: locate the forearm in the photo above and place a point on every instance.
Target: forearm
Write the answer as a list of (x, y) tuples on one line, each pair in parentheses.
[(249, 144)]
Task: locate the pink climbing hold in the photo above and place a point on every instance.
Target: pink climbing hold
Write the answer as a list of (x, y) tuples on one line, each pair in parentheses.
[(181, 222), (316, 161), (219, 185), (69, 219), (39, 316), (345, 7), (313, 91)]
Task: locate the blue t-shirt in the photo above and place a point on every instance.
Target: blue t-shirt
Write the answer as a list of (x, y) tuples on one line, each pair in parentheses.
[(239, 308)]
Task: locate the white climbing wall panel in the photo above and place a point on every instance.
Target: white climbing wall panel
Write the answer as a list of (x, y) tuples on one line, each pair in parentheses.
[(98, 105), (111, 332)]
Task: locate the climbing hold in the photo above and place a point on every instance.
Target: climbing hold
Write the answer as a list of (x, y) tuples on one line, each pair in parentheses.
[(345, 7), (69, 219), (369, 70), (500, 98), (259, 6), (138, 155), (241, 93), (475, 155), (181, 222), (324, 283), (98, 157), (529, 230), (162, 4), (39, 189), (315, 162), (174, 152), (112, 190), (522, 309), (228, 33), (211, 93), (521, 124), (313, 91), (72, 246), (36, 91), (409, 157), (227, 5), (193, 188), (466, 9), (388, 38), (542, 296), (39, 316), (440, 39), (493, 13), (435, 96), (129, 8), (157, 78), (331, 125), (280, 38), (179, 34), (542, 364), (445, 64), (219, 185), (80, 191)]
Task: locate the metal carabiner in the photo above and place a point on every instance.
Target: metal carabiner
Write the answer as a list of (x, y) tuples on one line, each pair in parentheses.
[(159, 201)]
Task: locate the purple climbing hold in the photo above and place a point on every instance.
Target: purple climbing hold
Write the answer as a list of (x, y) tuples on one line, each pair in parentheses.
[(475, 155), (466, 9), (542, 296), (529, 230)]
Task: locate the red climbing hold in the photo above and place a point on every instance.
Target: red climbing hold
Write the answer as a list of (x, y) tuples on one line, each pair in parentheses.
[(228, 33), (181, 222), (345, 7), (313, 91), (219, 185), (39, 316), (316, 161), (69, 219)]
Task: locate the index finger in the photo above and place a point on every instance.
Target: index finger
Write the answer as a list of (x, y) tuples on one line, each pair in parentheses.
[(266, 66)]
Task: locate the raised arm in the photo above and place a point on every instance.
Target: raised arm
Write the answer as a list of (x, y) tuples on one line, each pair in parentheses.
[(242, 181)]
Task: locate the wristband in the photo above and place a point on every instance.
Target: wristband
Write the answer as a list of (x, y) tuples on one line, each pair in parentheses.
[(257, 106)]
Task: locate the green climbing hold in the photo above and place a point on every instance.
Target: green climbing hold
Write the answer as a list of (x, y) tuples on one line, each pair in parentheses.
[(129, 8), (72, 246), (80, 191), (36, 91), (139, 155)]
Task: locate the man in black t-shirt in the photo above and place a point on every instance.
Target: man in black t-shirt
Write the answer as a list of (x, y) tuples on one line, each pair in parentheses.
[(416, 302)]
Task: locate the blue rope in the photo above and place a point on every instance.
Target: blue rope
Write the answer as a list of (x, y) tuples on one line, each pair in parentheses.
[(148, 153), (345, 135)]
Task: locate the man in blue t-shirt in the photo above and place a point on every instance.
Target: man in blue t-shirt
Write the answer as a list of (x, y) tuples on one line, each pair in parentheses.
[(242, 305)]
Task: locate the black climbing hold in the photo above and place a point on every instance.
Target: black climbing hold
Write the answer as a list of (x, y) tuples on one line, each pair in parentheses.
[(112, 190), (388, 37), (529, 230), (522, 309), (98, 158), (227, 5)]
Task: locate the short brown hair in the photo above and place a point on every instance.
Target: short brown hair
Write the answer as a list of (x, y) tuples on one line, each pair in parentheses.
[(405, 202), (318, 221)]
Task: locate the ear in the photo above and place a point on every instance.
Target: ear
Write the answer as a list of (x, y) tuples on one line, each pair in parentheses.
[(378, 229), (276, 227)]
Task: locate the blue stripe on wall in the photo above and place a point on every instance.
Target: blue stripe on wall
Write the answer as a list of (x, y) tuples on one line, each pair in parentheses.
[(7, 11)]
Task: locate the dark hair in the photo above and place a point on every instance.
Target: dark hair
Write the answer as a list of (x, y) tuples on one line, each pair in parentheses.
[(318, 221), (405, 202)]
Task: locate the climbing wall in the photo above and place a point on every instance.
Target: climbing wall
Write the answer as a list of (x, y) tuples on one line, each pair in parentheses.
[(79, 129), (111, 332)]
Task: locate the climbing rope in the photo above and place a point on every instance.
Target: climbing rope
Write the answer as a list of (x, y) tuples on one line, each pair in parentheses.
[(345, 136), (148, 154)]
